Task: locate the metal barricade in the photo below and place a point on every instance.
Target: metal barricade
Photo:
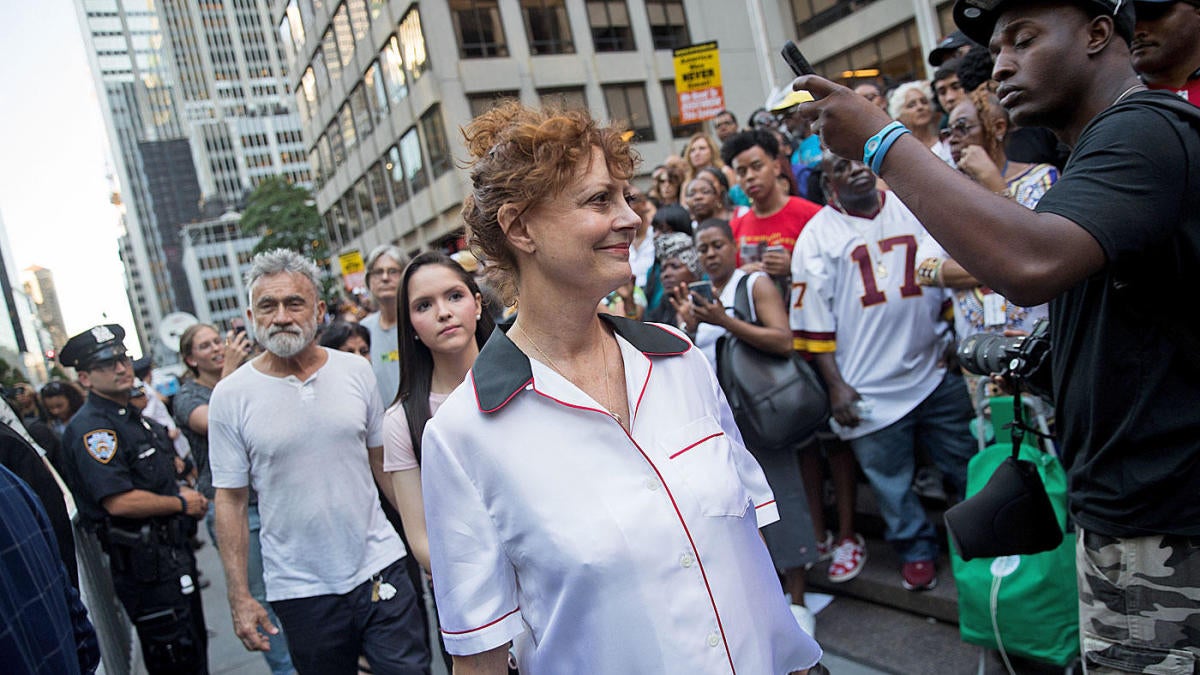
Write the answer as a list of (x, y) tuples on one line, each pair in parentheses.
[(113, 628)]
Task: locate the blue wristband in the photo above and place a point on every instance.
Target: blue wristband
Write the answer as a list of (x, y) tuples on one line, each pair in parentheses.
[(877, 146)]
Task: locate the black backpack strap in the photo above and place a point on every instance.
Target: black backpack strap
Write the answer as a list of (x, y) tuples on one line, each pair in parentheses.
[(741, 300)]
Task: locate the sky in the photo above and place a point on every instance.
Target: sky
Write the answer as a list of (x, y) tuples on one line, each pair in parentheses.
[(54, 195)]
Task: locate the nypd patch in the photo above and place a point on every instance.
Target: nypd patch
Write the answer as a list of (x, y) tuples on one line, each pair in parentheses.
[(101, 444)]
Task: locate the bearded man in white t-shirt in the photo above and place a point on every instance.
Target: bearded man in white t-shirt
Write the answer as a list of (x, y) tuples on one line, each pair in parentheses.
[(303, 425)]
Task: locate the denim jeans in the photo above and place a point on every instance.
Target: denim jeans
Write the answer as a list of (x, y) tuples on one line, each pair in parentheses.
[(888, 458), (278, 659)]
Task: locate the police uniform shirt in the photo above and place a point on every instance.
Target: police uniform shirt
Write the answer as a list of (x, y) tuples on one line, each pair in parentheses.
[(114, 450)]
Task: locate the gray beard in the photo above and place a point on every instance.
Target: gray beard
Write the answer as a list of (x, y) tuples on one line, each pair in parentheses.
[(285, 344)]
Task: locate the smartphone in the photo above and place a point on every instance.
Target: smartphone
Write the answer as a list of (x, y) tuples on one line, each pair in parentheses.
[(777, 249), (795, 59), (702, 289)]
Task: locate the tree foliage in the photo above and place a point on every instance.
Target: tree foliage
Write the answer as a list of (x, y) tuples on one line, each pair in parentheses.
[(285, 215), (10, 375)]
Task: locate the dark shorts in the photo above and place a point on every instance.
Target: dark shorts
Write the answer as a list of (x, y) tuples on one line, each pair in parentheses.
[(327, 633), (790, 540), (1139, 603)]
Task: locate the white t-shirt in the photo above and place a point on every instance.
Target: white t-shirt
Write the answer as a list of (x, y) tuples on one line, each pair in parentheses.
[(597, 550), (706, 333), (854, 292), (398, 452), (303, 447)]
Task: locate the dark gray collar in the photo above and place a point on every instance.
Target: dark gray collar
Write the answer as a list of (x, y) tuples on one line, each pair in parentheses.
[(501, 370)]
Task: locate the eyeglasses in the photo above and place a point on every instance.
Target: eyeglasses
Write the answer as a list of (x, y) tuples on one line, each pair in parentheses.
[(960, 129), (109, 365), (386, 272)]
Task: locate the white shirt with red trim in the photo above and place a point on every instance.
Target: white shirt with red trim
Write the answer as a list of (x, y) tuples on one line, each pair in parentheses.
[(598, 551)]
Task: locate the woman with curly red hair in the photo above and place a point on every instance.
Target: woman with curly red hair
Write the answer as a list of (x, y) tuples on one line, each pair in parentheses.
[(588, 498)]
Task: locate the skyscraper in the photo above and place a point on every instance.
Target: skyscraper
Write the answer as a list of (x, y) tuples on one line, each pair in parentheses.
[(38, 283), (184, 81)]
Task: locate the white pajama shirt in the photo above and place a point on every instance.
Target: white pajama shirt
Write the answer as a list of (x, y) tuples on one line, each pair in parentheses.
[(597, 550)]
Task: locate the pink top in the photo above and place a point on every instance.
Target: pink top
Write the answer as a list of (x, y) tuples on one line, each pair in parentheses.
[(398, 452)]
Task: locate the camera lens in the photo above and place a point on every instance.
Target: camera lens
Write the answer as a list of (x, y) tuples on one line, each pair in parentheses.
[(986, 353)]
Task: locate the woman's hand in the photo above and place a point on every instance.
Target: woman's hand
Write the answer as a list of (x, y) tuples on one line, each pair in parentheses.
[(976, 163), (709, 311), (237, 348), (681, 301)]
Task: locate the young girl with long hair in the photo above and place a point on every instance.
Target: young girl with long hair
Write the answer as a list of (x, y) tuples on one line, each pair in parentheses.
[(442, 325)]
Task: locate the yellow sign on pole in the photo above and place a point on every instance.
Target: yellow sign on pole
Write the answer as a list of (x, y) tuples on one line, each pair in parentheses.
[(354, 271), (698, 82)]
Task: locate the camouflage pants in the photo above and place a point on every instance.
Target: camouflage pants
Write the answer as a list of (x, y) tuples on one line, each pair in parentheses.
[(1139, 604)]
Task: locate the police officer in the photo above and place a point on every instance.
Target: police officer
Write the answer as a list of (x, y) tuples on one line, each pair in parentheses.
[(124, 467)]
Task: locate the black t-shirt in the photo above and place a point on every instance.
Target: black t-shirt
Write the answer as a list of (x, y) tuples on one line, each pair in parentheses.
[(1128, 395)]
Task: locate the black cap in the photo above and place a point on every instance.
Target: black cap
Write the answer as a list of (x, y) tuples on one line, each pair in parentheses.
[(142, 366), (99, 343), (947, 47), (977, 18)]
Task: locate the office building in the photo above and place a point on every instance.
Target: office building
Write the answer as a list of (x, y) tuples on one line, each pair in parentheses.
[(38, 284), (21, 342), (185, 83), (217, 255), (382, 86)]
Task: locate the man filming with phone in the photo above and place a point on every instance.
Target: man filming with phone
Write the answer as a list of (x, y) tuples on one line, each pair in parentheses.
[(1109, 246)]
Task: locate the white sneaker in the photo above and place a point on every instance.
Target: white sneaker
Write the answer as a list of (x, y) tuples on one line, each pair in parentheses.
[(806, 619)]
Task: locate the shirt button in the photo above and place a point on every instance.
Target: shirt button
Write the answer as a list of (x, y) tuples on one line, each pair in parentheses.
[(651, 484), (714, 640), (529, 387), (686, 560)]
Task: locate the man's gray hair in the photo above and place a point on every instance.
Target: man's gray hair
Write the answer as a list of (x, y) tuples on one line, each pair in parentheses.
[(278, 261), (389, 250)]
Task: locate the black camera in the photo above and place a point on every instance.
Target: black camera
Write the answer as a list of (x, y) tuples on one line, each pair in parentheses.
[(1025, 359)]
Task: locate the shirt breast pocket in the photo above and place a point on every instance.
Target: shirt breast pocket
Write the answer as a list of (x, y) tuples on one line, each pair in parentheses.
[(147, 471), (701, 454)]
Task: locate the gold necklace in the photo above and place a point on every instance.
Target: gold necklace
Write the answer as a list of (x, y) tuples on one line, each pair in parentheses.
[(553, 364)]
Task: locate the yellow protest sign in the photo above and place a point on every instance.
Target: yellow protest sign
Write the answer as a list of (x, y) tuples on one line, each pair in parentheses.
[(354, 271), (698, 82)]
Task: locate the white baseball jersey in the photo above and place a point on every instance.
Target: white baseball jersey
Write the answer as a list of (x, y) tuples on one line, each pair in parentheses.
[(855, 292)]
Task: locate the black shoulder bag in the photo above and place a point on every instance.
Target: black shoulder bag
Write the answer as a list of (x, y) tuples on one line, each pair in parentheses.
[(777, 401)]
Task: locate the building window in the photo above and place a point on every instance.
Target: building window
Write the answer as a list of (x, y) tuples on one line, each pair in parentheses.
[(354, 222), (547, 26), (628, 102), (568, 98), (314, 161), (414, 164), (362, 195), (377, 180), (609, 20), (346, 119), (321, 71), (332, 61), (678, 129), (308, 85), (377, 96), (434, 132), (334, 132), (344, 35), (395, 171), (813, 15), (668, 23), (412, 41), (481, 103), (362, 112), (359, 22), (393, 70), (326, 153), (477, 26), (894, 55)]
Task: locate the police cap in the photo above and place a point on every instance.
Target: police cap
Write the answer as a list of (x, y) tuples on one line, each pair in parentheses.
[(97, 344)]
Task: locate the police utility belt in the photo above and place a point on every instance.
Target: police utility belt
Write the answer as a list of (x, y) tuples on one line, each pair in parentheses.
[(155, 551)]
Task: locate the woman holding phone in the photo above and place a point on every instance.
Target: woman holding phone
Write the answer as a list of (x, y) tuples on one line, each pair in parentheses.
[(588, 499), (709, 316)]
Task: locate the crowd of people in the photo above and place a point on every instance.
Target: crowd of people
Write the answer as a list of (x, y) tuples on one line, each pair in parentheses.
[(534, 427)]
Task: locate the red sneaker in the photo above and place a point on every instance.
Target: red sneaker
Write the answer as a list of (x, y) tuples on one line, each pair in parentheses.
[(848, 559), (825, 547), (919, 576)]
